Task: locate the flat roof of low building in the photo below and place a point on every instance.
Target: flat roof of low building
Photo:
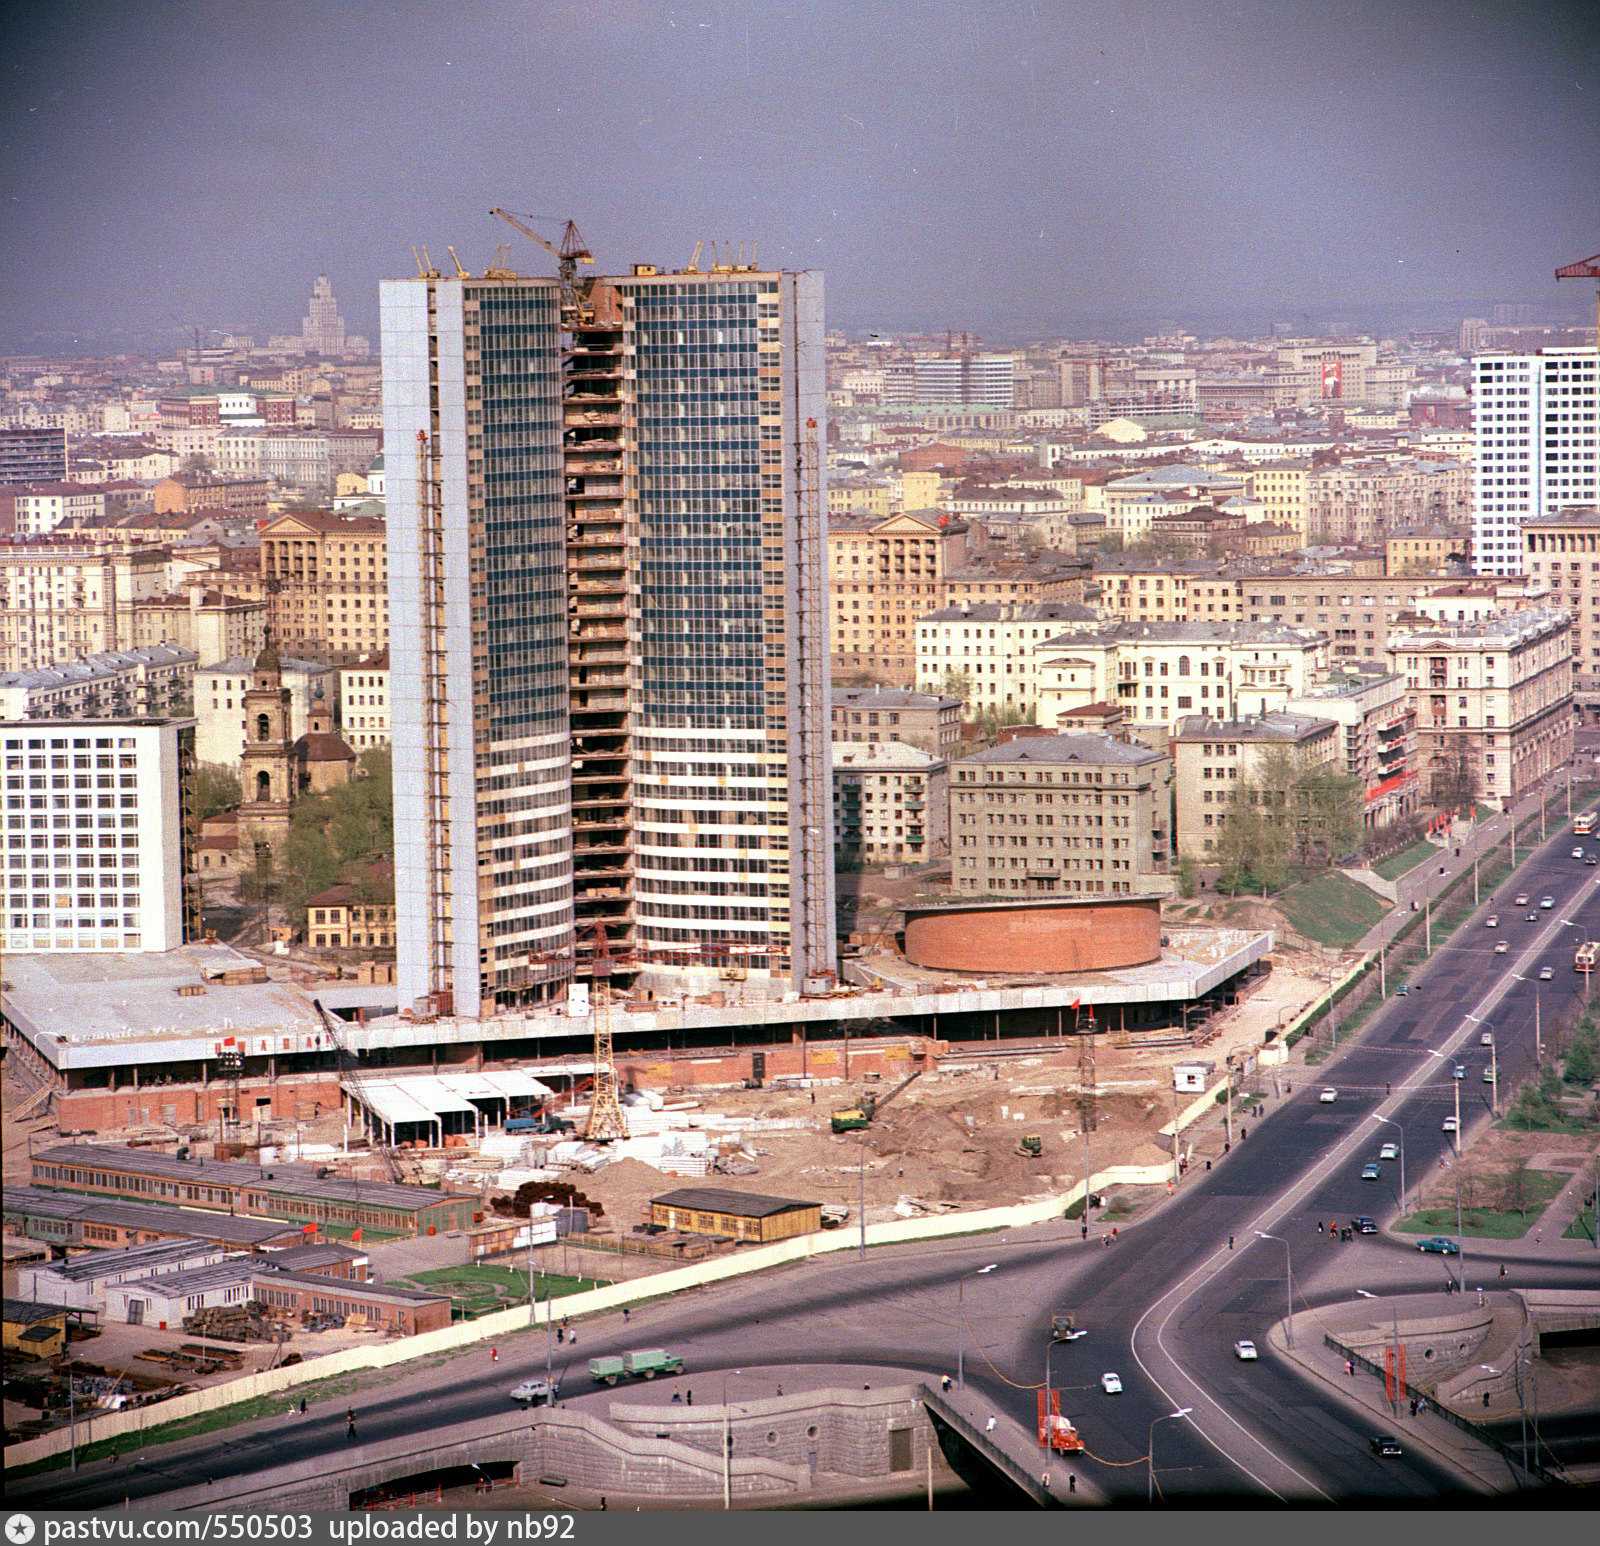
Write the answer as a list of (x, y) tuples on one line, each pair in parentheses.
[(721, 1199), (1032, 903), (1082, 746), (230, 1229), (1276, 726), (283, 1180), (131, 1258), (348, 1288), (890, 698)]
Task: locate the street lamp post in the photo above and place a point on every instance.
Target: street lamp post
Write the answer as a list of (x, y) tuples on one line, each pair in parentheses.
[(1150, 1450), (961, 1322), (1288, 1286), (727, 1445), (1390, 1122), (1522, 1400)]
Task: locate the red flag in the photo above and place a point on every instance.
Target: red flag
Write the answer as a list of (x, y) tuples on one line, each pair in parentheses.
[(355, 1235), (1075, 1003)]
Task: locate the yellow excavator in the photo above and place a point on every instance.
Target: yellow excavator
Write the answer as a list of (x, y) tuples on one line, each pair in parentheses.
[(853, 1118)]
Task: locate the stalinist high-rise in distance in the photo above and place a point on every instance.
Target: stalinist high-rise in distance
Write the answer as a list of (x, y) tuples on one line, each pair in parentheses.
[(607, 600)]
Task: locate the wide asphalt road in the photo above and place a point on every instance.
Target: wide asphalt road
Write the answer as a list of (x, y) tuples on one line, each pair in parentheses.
[(1164, 1305)]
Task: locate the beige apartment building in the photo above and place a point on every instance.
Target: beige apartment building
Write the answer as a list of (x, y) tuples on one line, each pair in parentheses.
[(63, 599), (1015, 580), (885, 574), (1061, 815), (1562, 552), (327, 579), (1356, 612), (855, 498), (1159, 672), (1140, 590), (1493, 701), (992, 647), (1281, 488), (871, 714), (1362, 501), (1213, 758), (1378, 723), (1424, 550), (890, 803)]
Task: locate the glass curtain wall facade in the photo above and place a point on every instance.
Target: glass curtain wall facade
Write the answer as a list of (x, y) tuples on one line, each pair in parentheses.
[(731, 785), (477, 589)]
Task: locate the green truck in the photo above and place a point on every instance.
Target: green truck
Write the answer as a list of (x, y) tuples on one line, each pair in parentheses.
[(644, 1365)]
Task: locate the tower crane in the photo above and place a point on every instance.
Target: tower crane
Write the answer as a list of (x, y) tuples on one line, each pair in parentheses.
[(572, 251), (606, 1120), (1589, 268)]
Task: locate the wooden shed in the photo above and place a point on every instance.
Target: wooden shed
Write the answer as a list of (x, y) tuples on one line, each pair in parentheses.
[(716, 1210)]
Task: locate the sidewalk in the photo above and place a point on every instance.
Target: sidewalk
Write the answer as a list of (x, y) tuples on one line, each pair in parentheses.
[(1478, 1467), (1564, 1207)]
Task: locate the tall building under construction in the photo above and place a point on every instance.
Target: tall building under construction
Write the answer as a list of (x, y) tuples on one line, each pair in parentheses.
[(607, 631)]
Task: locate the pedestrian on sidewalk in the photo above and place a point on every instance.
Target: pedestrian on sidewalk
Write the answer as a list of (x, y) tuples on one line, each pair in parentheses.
[(1230, 1242), (1502, 1269), (1319, 1226)]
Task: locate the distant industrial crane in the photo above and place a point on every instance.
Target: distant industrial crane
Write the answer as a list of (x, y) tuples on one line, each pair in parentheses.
[(572, 251), (1589, 268)]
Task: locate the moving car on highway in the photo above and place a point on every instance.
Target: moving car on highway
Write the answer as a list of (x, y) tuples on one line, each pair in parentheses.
[(538, 1392), (1389, 1151), (1328, 1096), (1449, 1125), (1245, 1351), (1111, 1383), (1372, 1171), (1385, 1444), (1363, 1225), (1438, 1245)]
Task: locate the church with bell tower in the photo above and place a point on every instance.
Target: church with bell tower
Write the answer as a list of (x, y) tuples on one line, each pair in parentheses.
[(268, 772)]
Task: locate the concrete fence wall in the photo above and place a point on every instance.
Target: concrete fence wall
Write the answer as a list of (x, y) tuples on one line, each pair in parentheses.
[(502, 1323)]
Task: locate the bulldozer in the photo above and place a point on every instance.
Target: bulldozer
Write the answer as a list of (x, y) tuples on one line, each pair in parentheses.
[(851, 1119)]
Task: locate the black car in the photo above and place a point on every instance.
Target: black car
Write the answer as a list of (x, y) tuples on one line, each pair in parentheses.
[(1385, 1444), (1363, 1225)]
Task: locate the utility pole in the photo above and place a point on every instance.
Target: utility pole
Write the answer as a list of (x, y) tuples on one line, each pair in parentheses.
[(1177, 1169), (1494, 1078), (1538, 1039), (1456, 1136), (1427, 925), (1383, 980), (1474, 880), (861, 1198)]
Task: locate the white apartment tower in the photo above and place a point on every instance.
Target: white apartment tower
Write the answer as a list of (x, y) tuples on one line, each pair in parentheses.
[(1536, 429), (608, 653)]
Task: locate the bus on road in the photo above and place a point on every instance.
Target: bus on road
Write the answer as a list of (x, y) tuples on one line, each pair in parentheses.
[(1583, 825)]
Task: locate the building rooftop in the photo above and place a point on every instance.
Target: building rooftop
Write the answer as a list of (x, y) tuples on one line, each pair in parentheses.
[(1127, 563), (228, 1228), (1503, 631), (887, 698), (1194, 631), (1098, 750), (243, 665), (284, 1180), (718, 1199), (1014, 612), (94, 668), (149, 1258), (883, 754), (1276, 726), (1572, 515)]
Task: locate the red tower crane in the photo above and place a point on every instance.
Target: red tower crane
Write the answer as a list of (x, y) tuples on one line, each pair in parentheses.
[(1589, 268)]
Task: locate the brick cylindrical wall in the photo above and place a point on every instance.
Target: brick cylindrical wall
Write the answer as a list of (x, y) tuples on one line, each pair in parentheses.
[(1051, 936)]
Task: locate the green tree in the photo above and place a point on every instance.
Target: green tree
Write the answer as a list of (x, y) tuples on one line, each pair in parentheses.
[(310, 865), (956, 683), (216, 789), (1188, 875), (1579, 1064)]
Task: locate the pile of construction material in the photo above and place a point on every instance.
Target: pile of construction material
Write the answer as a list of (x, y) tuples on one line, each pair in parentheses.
[(249, 1322)]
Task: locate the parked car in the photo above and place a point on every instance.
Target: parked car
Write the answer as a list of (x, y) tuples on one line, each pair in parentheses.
[(1328, 1096), (1385, 1444), (1546, 973), (1111, 1383), (1389, 1151), (1449, 1125), (1363, 1225), (1401, 991), (1372, 1171), (1438, 1245), (1245, 1351)]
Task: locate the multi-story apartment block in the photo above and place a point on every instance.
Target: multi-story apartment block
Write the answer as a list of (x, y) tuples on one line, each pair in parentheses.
[(1424, 550), (1493, 702), (1378, 722), (213, 624), (95, 837), (364, 701), (1061, 815), (1159, 672), (1536, 446), (869, 499), (339, 919), (1356, 612), (1363, 501), (1018, 581), (1281, 487), (890, 802), (327, 582), (33, 454), (123, 684), (1561, 555), (869, 714), (608, 579), (884, 575), (65, 598), (1132, 503), (33, 509), (1214, 758), (191, 491), (989, 649)]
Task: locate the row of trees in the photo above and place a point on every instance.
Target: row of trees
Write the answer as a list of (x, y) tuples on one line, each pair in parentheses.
[(1292, 816)]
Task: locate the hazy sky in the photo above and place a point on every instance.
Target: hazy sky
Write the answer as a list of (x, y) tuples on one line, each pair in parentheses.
[(999, 164)]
